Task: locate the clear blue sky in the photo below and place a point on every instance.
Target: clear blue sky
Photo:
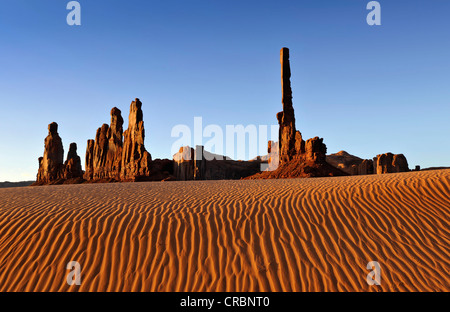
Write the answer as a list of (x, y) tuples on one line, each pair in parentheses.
[(366, 90)]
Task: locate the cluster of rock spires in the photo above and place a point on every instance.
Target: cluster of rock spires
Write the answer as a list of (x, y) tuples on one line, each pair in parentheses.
[(52, 170), (113, 156), (117, 155)]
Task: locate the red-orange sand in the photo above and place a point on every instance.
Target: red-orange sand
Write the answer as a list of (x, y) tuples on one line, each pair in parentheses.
[(260, 235)]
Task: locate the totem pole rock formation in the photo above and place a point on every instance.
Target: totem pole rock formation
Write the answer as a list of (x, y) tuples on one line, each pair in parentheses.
[(51, 165), (291, 143), (297, 158), (286, 118)]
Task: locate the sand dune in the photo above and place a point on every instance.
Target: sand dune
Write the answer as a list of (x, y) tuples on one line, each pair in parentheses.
[(259, 235)]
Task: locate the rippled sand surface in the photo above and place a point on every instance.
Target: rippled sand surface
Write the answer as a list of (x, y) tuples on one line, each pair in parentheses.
[(254, 235)]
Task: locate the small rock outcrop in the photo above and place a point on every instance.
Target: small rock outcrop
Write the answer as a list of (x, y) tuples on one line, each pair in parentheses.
[(315, 150), (365, 167), (100, 153), (350, 164), (115, 145), (383, 163), (51, 166), (89, 160), (183, 164), (390, 163), (345, 162), (300, 147), (198, 164), (271, 161), (72, 166), (162, 170), (399, 163)]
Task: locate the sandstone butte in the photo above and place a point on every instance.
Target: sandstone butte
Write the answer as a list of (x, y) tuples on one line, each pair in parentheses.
[(118, 156)]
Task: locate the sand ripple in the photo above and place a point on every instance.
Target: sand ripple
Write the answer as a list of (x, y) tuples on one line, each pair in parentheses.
[(257, 235)]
